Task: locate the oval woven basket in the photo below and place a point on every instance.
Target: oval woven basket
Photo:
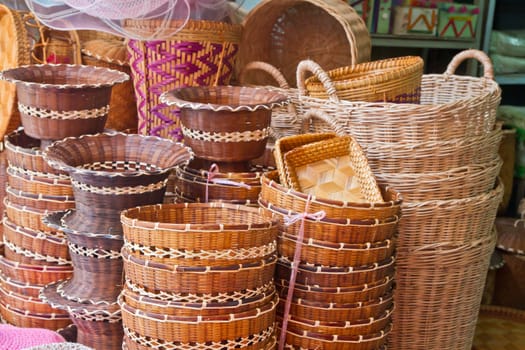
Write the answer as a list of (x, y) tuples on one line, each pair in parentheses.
[(34, 274), (285, 32), (273, 192), (395, 80), (344, 295), (257, 324), (334, 276), (334, 230)]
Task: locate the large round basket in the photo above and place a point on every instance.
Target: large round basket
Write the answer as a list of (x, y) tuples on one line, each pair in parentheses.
[(499, 327), (285, 32)]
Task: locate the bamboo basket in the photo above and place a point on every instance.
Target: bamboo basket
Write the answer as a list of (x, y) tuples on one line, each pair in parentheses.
[(38, 201), (32, 305), (285, 32), (336, 276), (209, 48), (338, 231), (26, 256), (19, 287), (20, 318), (38, 183), (313, 167), (34, 274), (337, 295), (29, 218), (273, 192), (395, 80), (231, 329), (426, 316)]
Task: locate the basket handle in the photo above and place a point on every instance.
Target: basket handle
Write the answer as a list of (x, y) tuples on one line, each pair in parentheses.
[(310, 66), (323, 116), (482, 57), (265, 67)]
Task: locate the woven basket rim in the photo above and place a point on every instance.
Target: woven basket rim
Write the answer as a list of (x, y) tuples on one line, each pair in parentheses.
[(337, 290), (33, 315), (174, 98), (39, 196), (34, 234), (35, 268), (348, 339), (56, 221), (215, 227), (345, 324), (10, 75), (62, 165), (338, 269)]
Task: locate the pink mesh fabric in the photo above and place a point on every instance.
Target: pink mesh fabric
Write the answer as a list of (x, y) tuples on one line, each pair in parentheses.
[(17, 338)]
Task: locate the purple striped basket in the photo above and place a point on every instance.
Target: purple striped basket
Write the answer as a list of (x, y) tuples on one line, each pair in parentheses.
[(201, 54)]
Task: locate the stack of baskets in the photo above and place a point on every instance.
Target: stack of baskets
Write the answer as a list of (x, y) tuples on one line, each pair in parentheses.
[(442, 156), (198, 276), (342, 295), (34, 254)]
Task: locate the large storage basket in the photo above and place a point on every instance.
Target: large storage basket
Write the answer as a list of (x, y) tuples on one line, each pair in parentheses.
[(201, 54)]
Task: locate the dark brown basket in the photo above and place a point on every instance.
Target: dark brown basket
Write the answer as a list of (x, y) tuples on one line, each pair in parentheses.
[(311, 340), (273, 192), (99, 335), (20, 318), (45, 184), (199, 234), (257, 324), (38, 242), (34, 274), (198, 279), (334, 254), (333, 276), (58, 101), (24, 152), (358, 293)]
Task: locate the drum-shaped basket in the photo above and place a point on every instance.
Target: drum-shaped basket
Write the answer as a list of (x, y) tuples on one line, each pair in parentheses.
[(32, 182), (338, 295), (208, 51), (254, 326), (335, 169), (285, 32), (337, 231), (28, 217), (58, 101), (283, 197), (34, 274), (395, 80), (426, 279), (499, 327), (336, 276), (112, 53), (19, 287), (39, 201), (23, 152), (24, 319)]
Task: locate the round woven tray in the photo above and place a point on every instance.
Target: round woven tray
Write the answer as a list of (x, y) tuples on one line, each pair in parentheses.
[(285, 32), (499, 327)]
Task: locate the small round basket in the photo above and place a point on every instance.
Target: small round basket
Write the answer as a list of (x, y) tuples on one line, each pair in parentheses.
[(58, 101)]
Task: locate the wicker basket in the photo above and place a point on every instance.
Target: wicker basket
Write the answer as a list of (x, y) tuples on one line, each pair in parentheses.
[(49, 103), (32, 305), (24, 319), (201, 54), (9, 284), (39, 202), (28, 217), (34, 274), (335, 169), (336, 231), (338, 295), (283, 197), (112, 53), (499, 328), (33, 182), (253, 326), (395, 80), (431, 318), (285, 32), (336, 276)]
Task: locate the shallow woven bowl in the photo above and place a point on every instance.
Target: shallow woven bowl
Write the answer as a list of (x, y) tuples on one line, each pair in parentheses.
[(116, 171), (225, 123), (57, 101)]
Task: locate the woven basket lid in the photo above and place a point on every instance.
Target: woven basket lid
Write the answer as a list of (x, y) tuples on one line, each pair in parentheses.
[(14, 51), (511, 235), (499, 328), (285, 32), (107, 50)]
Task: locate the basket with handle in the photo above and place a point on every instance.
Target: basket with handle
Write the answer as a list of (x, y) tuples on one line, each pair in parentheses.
[(395, 79), (200, 54), (282, 33)]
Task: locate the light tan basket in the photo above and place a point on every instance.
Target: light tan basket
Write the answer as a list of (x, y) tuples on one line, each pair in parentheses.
[(282, 33), (395, 80), (336, 169)]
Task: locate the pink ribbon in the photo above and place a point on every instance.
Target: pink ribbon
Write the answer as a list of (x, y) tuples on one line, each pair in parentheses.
[(295, 263), (212, 172)]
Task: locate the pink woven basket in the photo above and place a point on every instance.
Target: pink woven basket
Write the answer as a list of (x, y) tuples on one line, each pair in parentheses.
[(201, 54)]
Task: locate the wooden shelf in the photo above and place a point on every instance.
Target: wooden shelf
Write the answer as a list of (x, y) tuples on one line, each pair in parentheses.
[(421, 41)]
